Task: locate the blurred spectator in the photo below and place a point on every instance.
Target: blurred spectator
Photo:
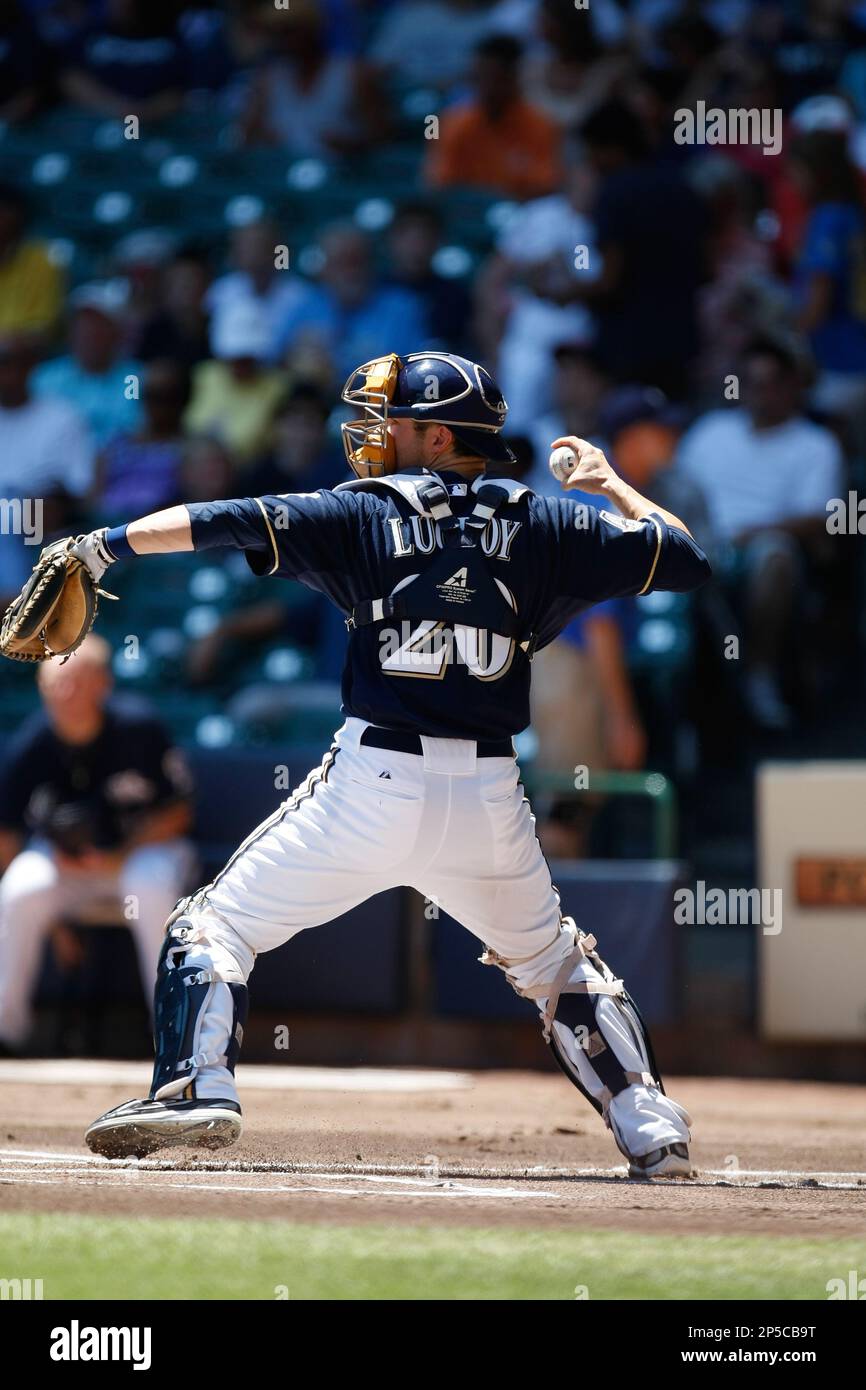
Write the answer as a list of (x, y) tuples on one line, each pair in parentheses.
[(305, 622), (414, 237), (497, 141), (583, 710), (129, 61), (94, 376), (31, 285), (141, 472), (308, 624), (302, 457), (46, 463), (22, 64), (310, 101), (235, 394), (830, 271), (787, 200), (351, 317), (569, 73), (204, 32), (650, 228), (429, 43), (810, 45), (742, 296), (207, 471), (44, 442), (528, 291), (654, 94), (94, 808), (737, 76), (584, 714), (579, 387), (852, 81), (767, 474), (276, 295), (139, 260), (688, 46), (179, 327), (642, 430)]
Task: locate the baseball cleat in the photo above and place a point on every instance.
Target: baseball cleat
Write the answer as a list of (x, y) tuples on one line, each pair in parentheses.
[(670, 1161), (139, 1127)]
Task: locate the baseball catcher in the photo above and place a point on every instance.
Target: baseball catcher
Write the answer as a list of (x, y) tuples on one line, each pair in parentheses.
[(450, 575)]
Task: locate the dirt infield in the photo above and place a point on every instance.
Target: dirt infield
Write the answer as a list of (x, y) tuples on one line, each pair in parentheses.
[(470, 1148)]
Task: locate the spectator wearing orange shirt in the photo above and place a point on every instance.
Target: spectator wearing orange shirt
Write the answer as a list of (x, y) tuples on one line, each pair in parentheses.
[(497, 140)]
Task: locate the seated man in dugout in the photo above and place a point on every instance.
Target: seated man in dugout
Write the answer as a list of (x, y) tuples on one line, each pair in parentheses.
[(94, 811)]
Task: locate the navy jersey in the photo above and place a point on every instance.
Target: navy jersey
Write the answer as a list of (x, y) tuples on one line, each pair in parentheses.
[(552, 556)]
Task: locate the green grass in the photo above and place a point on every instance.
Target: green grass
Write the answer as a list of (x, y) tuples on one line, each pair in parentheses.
[(111, 1257)]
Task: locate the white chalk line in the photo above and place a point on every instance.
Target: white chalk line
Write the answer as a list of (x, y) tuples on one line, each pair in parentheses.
[(441, 1190), (421, 1170), (23, 1166), (448, 1188), (125, 1173)]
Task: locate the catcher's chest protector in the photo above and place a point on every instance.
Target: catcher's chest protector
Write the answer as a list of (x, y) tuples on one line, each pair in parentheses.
[(456, 585)]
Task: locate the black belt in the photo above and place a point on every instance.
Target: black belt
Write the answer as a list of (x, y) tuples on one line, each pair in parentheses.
[(400, 742)]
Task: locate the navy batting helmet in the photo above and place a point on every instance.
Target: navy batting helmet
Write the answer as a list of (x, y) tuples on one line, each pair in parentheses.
[(426, 386)]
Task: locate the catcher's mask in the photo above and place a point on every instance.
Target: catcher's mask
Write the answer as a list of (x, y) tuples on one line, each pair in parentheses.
[(426, 386)]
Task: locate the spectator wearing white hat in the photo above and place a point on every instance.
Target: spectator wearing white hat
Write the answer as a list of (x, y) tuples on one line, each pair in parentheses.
[(235, 394), (95, 376)]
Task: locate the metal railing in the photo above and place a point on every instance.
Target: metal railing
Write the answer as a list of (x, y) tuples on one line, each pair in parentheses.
[(653, 787)]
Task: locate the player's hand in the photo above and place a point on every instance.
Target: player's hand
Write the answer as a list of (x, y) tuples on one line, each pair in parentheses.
[(93, 553), (593, 472)]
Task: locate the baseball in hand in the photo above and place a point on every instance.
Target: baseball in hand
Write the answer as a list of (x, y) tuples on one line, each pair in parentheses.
[(562, 463)]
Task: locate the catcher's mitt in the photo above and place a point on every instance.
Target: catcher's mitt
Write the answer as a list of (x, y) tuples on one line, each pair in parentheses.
[(56, 608)]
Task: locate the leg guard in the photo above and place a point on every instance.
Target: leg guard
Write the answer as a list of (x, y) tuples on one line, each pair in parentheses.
[(199, 1017), (599, 1040)]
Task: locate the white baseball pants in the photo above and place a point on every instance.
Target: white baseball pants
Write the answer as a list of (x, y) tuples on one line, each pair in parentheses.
[(456, 828)]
